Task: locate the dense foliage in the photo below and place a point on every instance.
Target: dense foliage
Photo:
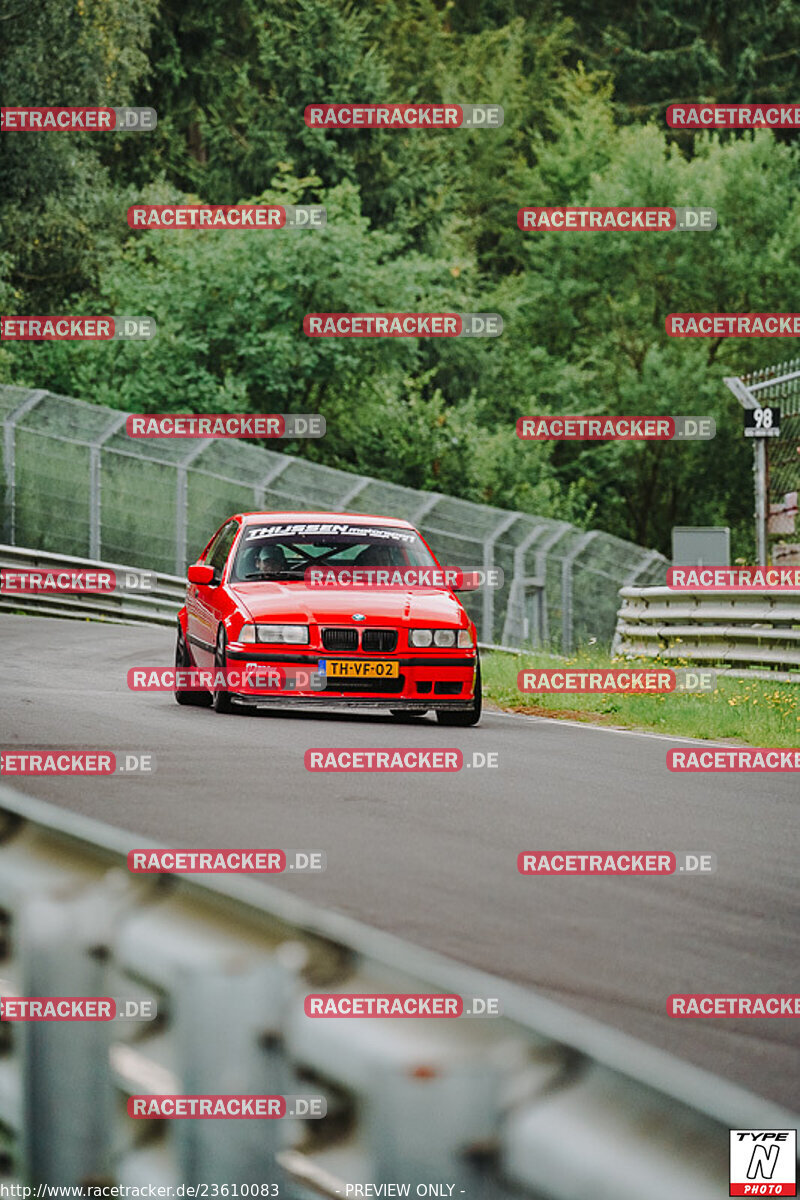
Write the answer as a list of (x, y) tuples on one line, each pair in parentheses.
[(416, 221)]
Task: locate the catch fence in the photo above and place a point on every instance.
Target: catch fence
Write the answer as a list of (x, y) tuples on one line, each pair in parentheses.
[(76, 484)]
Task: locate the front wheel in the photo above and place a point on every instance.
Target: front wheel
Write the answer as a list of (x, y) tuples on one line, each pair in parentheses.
[(183, 662), (468, 716), (222, 702)]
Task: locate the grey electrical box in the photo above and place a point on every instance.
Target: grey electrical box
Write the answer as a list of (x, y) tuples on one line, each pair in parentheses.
[(701, 546)]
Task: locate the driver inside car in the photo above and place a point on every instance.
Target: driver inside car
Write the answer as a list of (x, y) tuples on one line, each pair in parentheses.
[(271, 560)]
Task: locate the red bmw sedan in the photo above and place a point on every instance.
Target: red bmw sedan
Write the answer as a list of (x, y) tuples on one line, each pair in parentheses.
[(274, 592)]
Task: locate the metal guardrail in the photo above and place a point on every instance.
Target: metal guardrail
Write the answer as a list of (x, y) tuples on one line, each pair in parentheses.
[(157, 607), (721, 627), (743, 630), (502, 1107)]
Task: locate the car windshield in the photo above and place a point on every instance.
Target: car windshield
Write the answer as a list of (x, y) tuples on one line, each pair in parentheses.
[(283, 552)]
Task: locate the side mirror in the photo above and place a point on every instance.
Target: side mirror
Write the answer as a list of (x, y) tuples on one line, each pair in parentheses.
[(200, 573)]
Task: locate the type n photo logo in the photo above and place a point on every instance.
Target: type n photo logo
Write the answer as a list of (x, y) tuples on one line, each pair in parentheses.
[(763, 1162)]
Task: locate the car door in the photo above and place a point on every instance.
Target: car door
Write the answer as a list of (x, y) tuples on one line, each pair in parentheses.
[(204, 603)]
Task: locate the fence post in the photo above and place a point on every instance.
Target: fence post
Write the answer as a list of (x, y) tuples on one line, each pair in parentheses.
[(181, 514), (487, 617), (516, 592), (9, 461), (259, 492), (567, 619), (95, 482), (353, 491), (563, 529)]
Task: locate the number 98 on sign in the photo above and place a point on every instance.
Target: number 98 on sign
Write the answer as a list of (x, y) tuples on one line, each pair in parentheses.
[(762, 422)]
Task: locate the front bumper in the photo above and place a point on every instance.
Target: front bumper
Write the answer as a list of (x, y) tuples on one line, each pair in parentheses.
[(424, 681)]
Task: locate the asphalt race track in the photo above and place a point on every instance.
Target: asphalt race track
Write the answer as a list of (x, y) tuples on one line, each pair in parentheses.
[(406, 851)]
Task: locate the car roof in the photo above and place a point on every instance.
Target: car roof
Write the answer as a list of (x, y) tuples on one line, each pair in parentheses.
[(321, 518)]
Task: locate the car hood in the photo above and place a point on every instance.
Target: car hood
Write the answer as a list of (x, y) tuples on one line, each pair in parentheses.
[(293, 602)]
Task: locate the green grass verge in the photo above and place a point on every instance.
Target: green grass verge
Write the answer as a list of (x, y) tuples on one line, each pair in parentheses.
[(753, 712)]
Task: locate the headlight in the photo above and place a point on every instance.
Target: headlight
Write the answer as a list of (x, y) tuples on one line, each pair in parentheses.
[(464, 639), (296, 635), (436, 637), (247, 633)]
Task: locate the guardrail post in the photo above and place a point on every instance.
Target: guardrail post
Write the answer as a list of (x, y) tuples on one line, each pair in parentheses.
[(68, 1102), (227, 1022), (424, 1123), (10, 461)]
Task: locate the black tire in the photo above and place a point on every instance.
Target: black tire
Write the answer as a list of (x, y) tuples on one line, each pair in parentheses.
[(468, 716), (221, 701), (183, 662)]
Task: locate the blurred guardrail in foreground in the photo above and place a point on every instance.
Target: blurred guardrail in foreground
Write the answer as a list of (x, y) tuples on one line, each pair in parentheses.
[(75, 483), (540, 1102), (754, 633)]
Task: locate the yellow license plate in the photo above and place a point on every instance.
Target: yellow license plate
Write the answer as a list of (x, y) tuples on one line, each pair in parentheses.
[(348, 668)]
